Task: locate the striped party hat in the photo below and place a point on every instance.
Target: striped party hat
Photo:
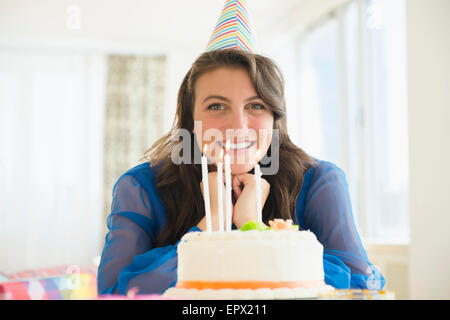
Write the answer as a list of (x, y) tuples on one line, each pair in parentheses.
[(233, 29)]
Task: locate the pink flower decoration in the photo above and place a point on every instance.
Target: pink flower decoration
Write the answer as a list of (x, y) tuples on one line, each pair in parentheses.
[(280, 224)]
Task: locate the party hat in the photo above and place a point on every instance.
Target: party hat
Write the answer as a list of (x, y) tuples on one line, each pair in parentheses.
[(233, 29)]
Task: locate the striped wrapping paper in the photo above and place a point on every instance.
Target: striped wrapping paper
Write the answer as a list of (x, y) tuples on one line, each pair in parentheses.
[(64, 287), (233, 29), (56, 283)]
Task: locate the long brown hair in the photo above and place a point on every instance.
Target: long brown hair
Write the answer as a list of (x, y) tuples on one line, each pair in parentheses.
[(179, 185)]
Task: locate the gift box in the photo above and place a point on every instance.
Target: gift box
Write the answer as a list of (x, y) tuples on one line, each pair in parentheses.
[(358, 294), (62, 287)]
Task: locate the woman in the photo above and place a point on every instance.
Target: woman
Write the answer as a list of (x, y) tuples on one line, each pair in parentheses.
[(155, 205)]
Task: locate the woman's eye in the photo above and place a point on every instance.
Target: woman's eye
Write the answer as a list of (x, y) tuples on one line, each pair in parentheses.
[(257, 106), (215, 106)]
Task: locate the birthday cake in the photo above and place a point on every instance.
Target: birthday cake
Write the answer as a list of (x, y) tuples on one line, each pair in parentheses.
[(256, 262)]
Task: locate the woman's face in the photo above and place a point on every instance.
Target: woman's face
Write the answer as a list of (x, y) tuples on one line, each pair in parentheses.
[(229, 109)]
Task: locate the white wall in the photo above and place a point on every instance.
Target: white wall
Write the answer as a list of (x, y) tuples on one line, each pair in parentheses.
[(178, 64), (123, 27), (428, 26)]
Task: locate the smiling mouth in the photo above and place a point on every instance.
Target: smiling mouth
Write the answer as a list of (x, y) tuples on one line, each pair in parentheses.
[(239, 145)]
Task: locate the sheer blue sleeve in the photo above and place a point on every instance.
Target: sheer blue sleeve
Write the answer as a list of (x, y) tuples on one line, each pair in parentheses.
[(128, 258), (328, 213)]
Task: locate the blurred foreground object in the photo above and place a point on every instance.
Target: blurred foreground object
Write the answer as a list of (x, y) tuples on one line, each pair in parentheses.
[(358, 294)]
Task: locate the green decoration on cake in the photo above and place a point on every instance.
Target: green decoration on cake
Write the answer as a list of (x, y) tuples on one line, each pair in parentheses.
[(276, 225), (253, 225)]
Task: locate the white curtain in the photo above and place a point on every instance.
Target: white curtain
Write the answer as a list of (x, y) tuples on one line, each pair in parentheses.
[(51, 157), (134, 114)]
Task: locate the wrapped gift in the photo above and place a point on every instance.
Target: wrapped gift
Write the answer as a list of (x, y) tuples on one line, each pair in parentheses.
[(358, 294), (68, 286)]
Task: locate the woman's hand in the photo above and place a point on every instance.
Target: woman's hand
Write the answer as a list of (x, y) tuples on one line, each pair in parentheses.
[(244, 187), (213, 200)]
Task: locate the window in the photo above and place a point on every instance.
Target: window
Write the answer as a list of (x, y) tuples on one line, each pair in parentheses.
[(51, 131), (353, 109)]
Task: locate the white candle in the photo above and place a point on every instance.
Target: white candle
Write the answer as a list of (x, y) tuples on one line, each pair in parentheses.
[(258, 188), (206, 189), (228, 204), (220, 190)]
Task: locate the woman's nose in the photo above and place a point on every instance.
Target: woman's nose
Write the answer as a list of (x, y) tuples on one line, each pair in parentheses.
[(239, 120)]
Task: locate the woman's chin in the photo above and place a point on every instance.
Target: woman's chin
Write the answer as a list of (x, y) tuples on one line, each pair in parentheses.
[(241, 168)]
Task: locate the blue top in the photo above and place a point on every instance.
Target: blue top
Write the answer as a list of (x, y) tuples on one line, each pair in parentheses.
[(137, 215)]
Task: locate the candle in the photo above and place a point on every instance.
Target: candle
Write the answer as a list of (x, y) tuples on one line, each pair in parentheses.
[(206, 189), (228, 203), (220, 190), (258, 188)]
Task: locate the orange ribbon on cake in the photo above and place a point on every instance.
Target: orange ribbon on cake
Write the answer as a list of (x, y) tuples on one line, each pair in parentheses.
[(202, 285)]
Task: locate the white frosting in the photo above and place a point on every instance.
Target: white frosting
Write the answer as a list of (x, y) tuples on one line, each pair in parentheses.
[(250, 256)]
